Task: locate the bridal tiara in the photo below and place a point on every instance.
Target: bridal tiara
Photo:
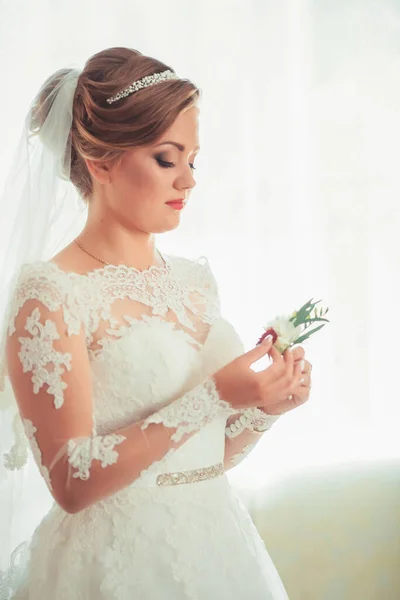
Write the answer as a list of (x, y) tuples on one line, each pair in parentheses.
[(143, 83)]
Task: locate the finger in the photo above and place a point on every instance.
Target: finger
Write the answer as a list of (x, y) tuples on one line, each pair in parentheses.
[(303, 392), (289, 362), (302, 388), (290, 403), (306, 380), (259, 351), (301, 398), (275, 355), (298, 353), (298, 374), (277, 365), (307, 366), (286, 371)]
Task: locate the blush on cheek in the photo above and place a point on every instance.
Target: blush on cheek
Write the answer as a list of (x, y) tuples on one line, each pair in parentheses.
[(142, 182)]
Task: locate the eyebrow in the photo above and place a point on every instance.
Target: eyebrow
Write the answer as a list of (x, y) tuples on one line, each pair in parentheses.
[(180, 147)]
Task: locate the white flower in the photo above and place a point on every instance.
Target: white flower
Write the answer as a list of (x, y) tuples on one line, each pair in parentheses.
[(287, 333)]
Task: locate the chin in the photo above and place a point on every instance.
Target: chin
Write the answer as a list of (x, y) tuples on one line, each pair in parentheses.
[(159, 226), (168, 228), (162, 228), (168, 224)]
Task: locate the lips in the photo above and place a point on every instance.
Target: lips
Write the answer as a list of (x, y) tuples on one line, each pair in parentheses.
[(177, 204)]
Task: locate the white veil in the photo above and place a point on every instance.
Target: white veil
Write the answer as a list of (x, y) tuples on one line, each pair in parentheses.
[(40, 213)]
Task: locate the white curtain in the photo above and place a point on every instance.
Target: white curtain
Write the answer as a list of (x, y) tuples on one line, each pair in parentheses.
[(298, 185)]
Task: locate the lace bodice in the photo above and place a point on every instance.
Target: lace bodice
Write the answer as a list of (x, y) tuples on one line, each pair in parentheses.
[(146, 332), (152, 341)]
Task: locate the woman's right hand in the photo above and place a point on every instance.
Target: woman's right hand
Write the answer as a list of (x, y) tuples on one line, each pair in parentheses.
[(269, 389)]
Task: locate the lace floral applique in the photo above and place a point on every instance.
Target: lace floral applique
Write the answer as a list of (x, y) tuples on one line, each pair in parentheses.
[(81, 453), (51, 286), (161, 288), (30, 430), (193, 411), (38, 352), (253, 419)]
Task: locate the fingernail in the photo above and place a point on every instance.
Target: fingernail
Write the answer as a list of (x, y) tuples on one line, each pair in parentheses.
[(267, 339), (302, 365)]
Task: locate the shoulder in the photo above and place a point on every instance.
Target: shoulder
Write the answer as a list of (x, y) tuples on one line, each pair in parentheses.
[(197, 275), (43, 284), (198, 269), (42, 279)]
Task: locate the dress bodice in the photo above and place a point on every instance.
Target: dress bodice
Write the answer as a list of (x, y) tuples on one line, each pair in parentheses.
[(151, 337)]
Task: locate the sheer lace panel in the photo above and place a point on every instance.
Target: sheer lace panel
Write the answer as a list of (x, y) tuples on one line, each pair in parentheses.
[(236, 459), (124, 315), (116, 299)]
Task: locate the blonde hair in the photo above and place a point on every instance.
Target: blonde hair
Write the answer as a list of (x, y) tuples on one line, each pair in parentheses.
[(101, 131)]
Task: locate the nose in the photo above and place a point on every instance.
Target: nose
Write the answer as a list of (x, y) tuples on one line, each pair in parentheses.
[(185, 181)]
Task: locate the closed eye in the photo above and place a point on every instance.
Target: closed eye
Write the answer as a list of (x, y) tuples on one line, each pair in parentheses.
[(165, 164)]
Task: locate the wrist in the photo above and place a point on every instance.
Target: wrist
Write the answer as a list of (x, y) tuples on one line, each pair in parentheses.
[(261, 420), (253, 419)]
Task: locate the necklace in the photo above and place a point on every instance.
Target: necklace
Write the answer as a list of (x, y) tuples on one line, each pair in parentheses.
[(78, 243)]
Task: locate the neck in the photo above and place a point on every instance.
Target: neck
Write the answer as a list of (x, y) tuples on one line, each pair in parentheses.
[(115, 244)]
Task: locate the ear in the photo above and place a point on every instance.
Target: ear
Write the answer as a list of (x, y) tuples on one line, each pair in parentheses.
[(99, 170)]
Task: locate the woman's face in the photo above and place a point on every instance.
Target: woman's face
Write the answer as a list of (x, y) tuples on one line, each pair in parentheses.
[(148, 177)]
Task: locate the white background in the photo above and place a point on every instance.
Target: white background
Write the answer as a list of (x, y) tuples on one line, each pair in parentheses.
[(298, 182)]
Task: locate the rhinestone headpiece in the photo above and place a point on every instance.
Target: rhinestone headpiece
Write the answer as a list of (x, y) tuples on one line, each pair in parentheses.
[(143, 83)]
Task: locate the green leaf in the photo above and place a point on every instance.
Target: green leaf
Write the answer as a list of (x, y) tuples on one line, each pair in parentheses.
[(304, 312), (317, 320), (304, 337)]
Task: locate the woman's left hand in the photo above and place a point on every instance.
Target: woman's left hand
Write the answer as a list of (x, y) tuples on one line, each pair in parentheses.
[(303, 390)]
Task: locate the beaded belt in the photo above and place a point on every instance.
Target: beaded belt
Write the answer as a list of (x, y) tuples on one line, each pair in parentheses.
[(191, 476)]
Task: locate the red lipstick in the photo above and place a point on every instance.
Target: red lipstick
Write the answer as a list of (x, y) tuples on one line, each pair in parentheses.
[(176, 204)]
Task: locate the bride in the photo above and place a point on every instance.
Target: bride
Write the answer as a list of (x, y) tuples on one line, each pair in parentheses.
[(134, 392)]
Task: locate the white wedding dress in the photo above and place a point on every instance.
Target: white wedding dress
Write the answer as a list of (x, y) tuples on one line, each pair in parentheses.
[(152, 337)]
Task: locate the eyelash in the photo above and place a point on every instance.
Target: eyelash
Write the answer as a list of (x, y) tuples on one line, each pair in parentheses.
[(167, 165)]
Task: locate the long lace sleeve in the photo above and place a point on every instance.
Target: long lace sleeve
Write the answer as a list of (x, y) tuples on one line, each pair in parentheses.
[(243, 432), (50, 373)]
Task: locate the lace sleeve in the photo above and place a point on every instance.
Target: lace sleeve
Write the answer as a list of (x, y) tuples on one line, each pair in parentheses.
[(49, 370), (242, 433)]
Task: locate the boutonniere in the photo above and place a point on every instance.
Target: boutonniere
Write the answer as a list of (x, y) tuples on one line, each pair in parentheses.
[(294, 329)]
